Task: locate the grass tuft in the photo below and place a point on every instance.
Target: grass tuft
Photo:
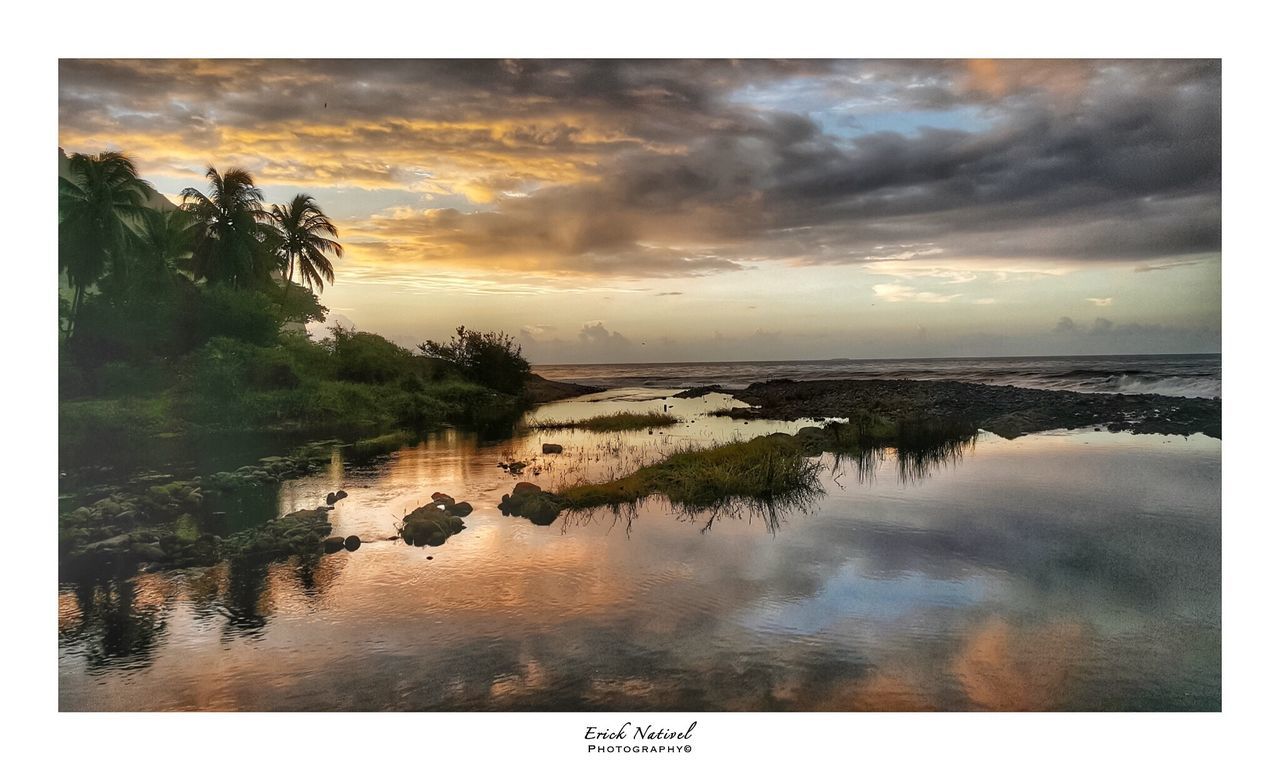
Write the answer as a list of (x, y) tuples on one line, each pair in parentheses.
[(615, 421)]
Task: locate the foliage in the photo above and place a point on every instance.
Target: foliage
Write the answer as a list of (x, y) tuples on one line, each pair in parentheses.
[(100, 205), (230, 242), (305, 239), (765, 467), (493, 359), (363, 357)]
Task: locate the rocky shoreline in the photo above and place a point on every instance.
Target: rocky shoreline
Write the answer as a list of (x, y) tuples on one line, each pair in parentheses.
[(539, 390), (1008, 411)]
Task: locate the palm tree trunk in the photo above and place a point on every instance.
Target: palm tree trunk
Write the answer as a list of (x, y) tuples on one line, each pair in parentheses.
[(287, 281), (78, 297)]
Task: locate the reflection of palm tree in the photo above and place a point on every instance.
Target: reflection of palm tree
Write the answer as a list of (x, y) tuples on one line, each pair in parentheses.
[(100, 203), (301, 233), (115, 632), (229, 238)]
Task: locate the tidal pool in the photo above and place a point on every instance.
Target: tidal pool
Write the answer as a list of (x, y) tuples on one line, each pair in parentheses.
[(1061, 571)]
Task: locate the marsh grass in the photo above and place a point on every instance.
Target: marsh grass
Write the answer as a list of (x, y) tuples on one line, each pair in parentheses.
[(614, 421), (763, 468)]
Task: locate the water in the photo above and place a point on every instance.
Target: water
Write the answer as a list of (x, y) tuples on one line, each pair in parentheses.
[(1171, 375), (1065, 571)]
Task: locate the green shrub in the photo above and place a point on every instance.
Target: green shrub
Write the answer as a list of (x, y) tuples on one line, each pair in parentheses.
[(493, 359), (363, 357)]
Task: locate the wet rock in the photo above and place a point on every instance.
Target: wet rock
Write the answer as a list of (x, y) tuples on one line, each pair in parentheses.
[(528, 500), (352, 543), (150, 552), (549, 448), (693, 393), (333, 544), (330, 499), (517, 467), (429, 526), (459, 509), (447, 500), (340, 495)]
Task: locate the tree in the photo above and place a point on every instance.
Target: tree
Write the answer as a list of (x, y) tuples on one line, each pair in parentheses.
[(301, 234), (101, 203), (230, 242), (493, 359), (162, 245)]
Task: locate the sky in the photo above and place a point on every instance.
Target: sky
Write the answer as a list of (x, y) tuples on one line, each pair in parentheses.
[(678, 210)]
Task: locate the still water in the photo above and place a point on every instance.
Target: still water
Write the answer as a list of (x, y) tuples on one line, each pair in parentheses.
[(1062, 571)]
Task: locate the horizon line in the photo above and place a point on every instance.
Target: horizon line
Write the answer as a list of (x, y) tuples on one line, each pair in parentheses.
[(876, 358)]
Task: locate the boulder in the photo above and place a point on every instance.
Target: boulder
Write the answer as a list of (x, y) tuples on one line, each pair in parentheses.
[(429, 526), (330, 499), (459, 509), (352, 543), (442, 498), (549, 449), (333, 544), (529, 501), (340, 495), (149, 552)]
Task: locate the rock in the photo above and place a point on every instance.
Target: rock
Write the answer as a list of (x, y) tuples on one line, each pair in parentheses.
[(529, 501), (549, 449), (149, 552), (429, 526), (340, 495), (330, 499), (442, 498), (693, 393), (352, 543), (459, 509), (517, 467), (333, 544)]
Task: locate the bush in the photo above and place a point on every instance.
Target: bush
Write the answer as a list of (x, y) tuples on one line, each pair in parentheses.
[(492, 359), (363, 357)]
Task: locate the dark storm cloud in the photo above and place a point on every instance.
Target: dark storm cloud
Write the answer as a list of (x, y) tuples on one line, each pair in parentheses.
[(680, 167)]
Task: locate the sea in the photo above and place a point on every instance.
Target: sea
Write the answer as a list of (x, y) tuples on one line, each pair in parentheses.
[(1194, 375)]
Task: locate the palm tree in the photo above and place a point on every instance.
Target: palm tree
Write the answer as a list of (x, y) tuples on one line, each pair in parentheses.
[(229, 240), (166, 239), (101, 202), (301, 234)]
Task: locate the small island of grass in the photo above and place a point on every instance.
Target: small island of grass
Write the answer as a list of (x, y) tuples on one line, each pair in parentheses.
[(614, 421)]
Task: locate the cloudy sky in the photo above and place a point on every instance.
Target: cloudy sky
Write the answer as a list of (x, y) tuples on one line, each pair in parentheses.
[(716, 210)]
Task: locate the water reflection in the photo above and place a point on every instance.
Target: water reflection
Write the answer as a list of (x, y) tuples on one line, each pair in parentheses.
[(1059, 571), (115, 623)]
